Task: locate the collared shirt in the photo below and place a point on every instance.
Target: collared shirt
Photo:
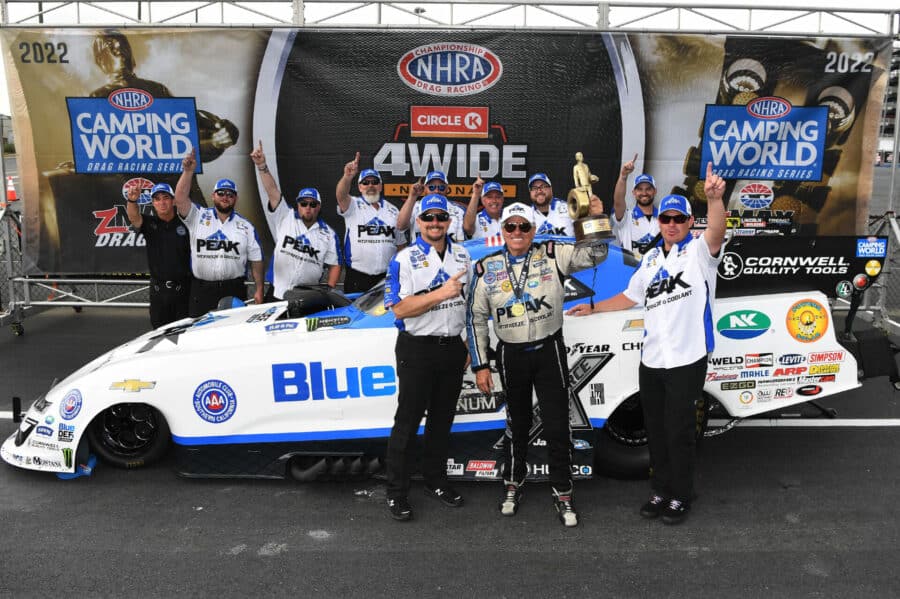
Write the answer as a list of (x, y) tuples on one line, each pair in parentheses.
[(485, 226), (455, 231), (419, 269), (168, 248), (301, 252), (557, 220), (372, 236), (221, 250), (635, 231), (678, 291)]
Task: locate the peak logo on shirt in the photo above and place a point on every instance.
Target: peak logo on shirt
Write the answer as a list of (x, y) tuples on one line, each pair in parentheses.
[(549, 229), (439, 279), (300, 244), (376, 228), (515, 307), (218, 242), (663, 282)]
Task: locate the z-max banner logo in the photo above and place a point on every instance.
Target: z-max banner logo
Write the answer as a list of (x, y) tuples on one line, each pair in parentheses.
[(132, 132)]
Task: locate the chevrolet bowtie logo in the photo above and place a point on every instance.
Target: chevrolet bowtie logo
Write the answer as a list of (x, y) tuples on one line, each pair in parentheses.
[(132, 385)]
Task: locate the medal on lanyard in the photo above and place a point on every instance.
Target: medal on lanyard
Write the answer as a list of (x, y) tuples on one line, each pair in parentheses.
[(518, 285)]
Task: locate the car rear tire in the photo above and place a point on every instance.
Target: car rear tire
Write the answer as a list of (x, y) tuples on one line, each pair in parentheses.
[(129, 435)]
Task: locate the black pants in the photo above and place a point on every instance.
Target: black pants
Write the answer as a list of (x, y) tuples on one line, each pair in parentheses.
[(668, 399), (430, 380), (543, 367), (205, 295), (169, 301), (355, 281)]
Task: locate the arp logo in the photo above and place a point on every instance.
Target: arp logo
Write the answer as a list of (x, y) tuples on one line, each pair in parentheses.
[(450, 69), (130, 99), (743, 324), (770, 107)]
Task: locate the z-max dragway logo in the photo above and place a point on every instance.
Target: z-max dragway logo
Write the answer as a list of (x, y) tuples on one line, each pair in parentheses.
[(130, 131), (114, 228), (766, 139), (450, 69)]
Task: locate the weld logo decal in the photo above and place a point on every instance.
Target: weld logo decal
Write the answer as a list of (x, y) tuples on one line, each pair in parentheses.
[(450, 69), (743, 324), (214, 401), (70, 405)]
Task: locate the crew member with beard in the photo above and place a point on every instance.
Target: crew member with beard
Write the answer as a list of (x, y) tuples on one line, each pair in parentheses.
[(551, 215), (435, 182), (372, 237), (635, 228), (479, 224), (222, 243)]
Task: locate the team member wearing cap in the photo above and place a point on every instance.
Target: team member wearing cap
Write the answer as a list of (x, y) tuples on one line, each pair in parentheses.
[(485, 223), (635, 228), (521, 288), (305, 246), (424, 288), (435, 182), (222, 243), (372, 237), (676, 283), (168, 253), (551, 215)]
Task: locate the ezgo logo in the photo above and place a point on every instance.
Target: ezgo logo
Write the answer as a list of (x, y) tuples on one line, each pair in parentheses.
[(743, 324)]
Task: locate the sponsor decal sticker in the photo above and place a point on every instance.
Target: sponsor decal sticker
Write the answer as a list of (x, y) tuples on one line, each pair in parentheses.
[(819, 357), (825, 369), (738, 385), (481, 465), (449, 121), (758, 360), (44, 431), (450, 69), (807, 321), (791, 359), (746, 397), (871, 247), (68, 454), (743, 324), (756, 196), (214, 401), (70, 405), (873, 267), (132, 385), (809, 390), (66, 433), (281, 326), (633, 324), (843, 289)]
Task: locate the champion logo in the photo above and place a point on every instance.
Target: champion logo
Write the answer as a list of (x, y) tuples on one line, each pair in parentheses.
[(769, 107), (450, 69), (130, 99)]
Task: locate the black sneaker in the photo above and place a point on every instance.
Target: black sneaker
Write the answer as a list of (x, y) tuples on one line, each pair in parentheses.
[(446, 494), (400, 509), (675, 512), (565, 508), (654, 507), (512, 496)]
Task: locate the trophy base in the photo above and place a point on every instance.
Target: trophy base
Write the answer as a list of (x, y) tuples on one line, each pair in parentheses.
[(593, 230)]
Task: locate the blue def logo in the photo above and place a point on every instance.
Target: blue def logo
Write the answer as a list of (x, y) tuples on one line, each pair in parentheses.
[(215, 401), (871, 248)]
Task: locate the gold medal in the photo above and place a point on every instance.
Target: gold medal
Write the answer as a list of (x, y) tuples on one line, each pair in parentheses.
[(517, 310), (506, 286)]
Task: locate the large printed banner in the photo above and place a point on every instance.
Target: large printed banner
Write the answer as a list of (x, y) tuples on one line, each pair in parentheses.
[(791, 123)]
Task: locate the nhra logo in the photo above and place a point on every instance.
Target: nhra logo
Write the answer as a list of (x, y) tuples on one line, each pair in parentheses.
[(215, 401), (871, 247), (743, 324), (769, 108), (130, 99), (450, 69)]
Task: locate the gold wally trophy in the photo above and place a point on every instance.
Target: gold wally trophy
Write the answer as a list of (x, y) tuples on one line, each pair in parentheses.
[(589, 230)]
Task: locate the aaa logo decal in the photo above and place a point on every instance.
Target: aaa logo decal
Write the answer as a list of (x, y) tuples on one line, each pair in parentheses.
[(743, 324), (215, 401), (807, 321)]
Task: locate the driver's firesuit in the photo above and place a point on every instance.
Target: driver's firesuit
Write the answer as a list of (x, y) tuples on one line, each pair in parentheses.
[(525, 297)]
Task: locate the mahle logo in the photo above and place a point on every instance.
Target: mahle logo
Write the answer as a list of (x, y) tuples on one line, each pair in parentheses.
[(743, 324)]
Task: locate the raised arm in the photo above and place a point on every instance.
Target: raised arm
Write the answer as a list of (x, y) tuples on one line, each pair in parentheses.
[(472, 208), (132, 209), (342, 191), (259, 159), (404, 217), (714, 188), (183, 188), (619, 192)]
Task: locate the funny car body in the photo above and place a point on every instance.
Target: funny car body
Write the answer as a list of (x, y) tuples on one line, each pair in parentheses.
[(262, 391)]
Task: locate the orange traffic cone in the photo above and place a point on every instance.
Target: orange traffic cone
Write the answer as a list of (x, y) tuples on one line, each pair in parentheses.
[(10, 190)]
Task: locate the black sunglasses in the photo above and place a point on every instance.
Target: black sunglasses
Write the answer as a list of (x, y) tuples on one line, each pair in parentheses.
[(309, 204), (369, 182), (523, 227), (437, 187), (224, 193), (665, 219), (440, 217)]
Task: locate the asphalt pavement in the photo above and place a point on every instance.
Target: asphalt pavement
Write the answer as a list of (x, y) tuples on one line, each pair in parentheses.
[(781, 512)]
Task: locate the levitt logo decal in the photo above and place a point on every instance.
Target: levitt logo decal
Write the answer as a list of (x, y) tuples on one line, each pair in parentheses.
[(450, 69), (743, 324)]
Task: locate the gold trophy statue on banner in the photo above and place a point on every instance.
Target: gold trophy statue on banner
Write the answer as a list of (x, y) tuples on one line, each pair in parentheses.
[(589, 230)]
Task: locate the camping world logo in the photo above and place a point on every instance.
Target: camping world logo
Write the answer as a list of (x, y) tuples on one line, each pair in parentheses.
[(450, 69), (743, 324)]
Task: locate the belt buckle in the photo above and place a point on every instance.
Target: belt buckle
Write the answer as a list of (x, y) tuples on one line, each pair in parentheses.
[(444, 340)]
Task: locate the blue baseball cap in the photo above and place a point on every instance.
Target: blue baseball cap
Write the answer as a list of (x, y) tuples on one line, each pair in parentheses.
[(225, 184), (434, 201), (491, 186), (162, 187), (539, 177), (645, 178), (439, 175), (310, 193), (368, 172), (676, 203)]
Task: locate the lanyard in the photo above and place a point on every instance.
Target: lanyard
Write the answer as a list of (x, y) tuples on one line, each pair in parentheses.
[(518, 285)]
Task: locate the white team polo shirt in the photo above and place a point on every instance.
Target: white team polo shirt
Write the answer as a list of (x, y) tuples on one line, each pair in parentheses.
[(301, 252), (677, 292), (220, 250), (419, 269), (457, 214), (372, 236), (485, 226), (635, 229), (556, 222)]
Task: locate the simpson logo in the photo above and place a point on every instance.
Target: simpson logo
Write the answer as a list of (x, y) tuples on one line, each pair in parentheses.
[(819, 357), (449, 121), (871, 247), (769, 108), (130, 99), (450, 69), (480, 466)]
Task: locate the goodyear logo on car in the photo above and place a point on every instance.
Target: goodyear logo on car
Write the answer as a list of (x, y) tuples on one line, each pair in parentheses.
[(450, 69), (743, 324), (300, 381)]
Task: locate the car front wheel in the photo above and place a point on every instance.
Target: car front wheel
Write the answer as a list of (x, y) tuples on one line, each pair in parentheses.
[(129, 435)]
